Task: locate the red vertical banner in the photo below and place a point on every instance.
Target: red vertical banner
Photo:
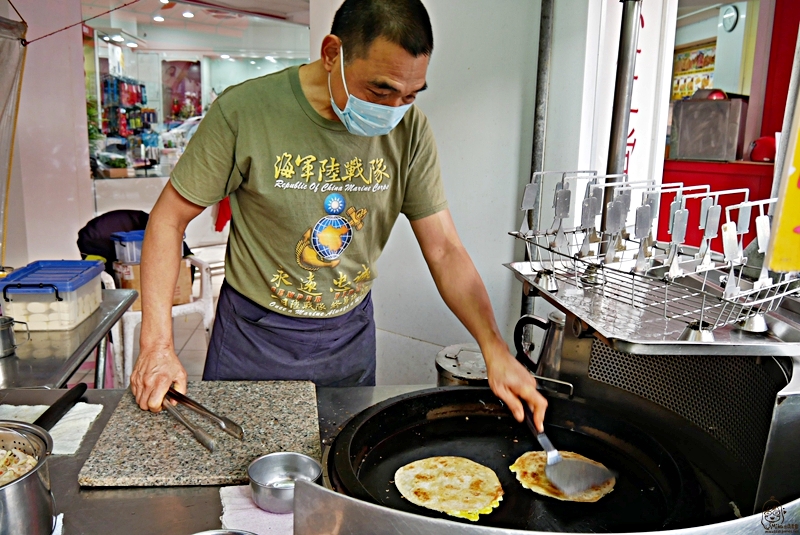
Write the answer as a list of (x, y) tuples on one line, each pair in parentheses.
[(781, 55)]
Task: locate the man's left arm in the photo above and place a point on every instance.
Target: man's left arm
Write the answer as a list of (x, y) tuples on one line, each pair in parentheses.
[(463, 291)]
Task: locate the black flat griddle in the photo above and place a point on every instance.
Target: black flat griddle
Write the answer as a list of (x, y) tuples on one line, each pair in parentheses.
[(656, 488)]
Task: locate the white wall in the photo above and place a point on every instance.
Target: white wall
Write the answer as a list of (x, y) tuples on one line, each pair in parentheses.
[(728, 65), (51, 189), (698, 31), (321, 17), (223, 73)]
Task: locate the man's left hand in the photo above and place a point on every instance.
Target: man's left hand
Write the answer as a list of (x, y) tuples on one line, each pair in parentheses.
[(513, 383)]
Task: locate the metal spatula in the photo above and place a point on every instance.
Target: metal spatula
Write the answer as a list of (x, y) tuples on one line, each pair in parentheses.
[(641, 232), (563, 204), (571, 476), (762, 234), (614, 225)]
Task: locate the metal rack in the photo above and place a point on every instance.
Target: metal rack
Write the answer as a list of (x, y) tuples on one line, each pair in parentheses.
[(703, 289), (704, 306)]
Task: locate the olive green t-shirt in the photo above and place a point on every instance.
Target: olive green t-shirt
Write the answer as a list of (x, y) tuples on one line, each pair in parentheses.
[(312, 205)]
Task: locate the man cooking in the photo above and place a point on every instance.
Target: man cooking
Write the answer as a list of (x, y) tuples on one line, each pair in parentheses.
[(318, 161)]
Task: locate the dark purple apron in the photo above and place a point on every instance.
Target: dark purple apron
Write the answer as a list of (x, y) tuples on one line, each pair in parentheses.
[(252, 343)]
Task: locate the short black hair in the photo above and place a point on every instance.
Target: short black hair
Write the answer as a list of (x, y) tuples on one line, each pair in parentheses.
[(402, 22)]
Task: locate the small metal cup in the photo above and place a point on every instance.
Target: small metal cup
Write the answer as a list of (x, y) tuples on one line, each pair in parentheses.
[(8, 342), (272, 479)]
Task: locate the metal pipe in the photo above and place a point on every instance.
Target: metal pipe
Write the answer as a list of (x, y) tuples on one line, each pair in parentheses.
[(623, 92), (540, 116), (542, 93), (786, 129)]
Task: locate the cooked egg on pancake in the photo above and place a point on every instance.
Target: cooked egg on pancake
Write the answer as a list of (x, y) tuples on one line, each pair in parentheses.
[(453, 485), (529, 469)]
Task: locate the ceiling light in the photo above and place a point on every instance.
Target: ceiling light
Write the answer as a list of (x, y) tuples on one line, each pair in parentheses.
[(224, 56), (132, 45), (165, 1), (188, 14), (270, 58), (117, 38), (106, 38), (158, 18), (252, 63)]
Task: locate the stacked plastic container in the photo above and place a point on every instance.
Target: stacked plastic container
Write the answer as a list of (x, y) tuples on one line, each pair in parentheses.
[(128, 246), (52, 295)]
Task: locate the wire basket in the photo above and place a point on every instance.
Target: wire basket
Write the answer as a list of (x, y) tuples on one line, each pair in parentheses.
[(692, 299)]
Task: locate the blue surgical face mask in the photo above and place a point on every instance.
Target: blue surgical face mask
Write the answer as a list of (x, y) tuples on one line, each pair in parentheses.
[(364, 118)]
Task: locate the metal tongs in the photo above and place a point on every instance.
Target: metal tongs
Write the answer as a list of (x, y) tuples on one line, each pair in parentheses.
[(227, 425)]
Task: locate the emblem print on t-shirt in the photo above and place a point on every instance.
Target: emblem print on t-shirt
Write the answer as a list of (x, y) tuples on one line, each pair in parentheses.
[(323, 244)]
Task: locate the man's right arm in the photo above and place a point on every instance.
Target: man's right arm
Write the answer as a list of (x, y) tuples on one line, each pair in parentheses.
[(158, 367)]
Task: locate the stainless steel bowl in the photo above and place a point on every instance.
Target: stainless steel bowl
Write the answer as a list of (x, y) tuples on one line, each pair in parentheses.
[(272, 479)]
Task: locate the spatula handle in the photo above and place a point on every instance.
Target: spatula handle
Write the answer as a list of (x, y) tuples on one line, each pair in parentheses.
[(552, 453)]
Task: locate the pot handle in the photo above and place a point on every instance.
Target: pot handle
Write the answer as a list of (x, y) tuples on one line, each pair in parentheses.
[(27, 332), (62, 406), (519, 331)]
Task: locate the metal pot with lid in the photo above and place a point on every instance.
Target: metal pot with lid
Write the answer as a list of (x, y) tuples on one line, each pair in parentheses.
[(26, 503), (461, 364)]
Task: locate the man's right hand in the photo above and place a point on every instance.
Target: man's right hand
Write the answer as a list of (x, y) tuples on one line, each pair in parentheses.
[(155, 371), (158, 367)]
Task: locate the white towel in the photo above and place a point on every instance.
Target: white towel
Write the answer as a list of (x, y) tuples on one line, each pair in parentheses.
[(68, 433), (239, 512)]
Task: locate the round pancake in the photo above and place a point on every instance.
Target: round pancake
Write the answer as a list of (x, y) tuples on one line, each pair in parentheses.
[(530, 472), (453, 485)]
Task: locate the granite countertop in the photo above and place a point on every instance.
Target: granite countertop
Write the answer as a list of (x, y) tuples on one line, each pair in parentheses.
[(139, 448)]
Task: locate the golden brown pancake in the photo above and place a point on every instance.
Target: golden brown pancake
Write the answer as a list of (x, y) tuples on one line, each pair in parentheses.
[(530, 472), (452, 485)]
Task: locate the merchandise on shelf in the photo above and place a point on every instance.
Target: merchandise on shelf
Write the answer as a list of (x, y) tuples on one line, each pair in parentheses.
[(122, 100)]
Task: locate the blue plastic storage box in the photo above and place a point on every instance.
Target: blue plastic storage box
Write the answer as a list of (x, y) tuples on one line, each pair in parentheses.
[(52, 295), (128, 246)]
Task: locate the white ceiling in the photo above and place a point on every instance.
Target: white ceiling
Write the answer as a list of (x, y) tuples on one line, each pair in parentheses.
[(209, 15), (691, 11), (239, 28), (290, 10)]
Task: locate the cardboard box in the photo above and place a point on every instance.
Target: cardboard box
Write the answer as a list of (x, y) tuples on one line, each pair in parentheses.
[(116, 172), (129, 277)]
